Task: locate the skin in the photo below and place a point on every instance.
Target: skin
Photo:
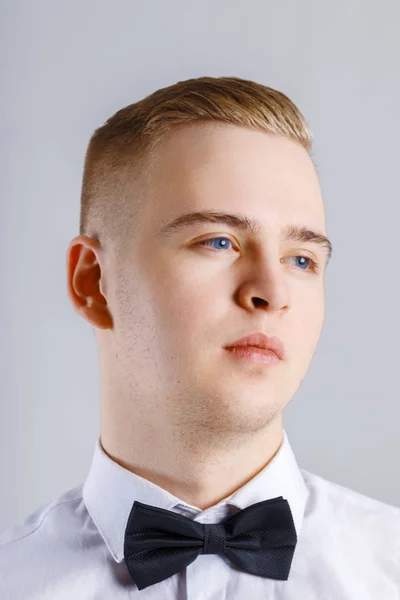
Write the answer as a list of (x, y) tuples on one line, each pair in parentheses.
[(176, 407)]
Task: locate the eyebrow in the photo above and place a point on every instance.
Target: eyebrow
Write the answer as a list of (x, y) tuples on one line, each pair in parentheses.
[(247, 224)]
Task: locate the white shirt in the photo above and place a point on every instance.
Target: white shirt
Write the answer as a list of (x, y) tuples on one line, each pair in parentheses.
[(348, 544)]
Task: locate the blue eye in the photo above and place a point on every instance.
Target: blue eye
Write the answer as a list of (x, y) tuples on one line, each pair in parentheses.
[(213, 240), (314, 267)]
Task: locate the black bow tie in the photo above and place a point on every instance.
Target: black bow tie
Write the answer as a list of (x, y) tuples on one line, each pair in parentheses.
[(260, 539)]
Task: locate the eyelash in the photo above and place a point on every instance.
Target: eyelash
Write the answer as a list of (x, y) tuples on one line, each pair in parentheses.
[(315, 265)]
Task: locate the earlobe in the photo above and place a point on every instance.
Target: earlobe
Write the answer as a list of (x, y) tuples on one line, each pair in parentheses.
[(96, 315)]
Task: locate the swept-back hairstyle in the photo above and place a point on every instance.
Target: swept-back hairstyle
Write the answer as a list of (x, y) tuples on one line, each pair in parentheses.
[(119, 148)]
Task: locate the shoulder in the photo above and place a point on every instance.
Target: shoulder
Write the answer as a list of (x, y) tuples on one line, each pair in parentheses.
[(45, 520), (328, 493), (46, 549), (352, 515)]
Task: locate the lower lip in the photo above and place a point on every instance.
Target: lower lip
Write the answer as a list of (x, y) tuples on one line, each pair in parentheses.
[(257, 355)]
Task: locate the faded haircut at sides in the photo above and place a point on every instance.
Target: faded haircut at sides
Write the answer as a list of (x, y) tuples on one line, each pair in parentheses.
[(118, 149)]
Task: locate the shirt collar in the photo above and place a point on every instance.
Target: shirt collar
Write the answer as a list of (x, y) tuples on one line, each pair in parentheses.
[(110, 490)]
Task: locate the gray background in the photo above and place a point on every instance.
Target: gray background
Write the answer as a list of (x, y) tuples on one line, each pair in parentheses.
[(68, 66)]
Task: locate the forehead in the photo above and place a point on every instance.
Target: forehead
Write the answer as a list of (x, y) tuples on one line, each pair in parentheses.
[(222, 166)]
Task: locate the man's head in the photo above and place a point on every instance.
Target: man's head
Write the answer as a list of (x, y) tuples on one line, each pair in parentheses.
[(165, 302)]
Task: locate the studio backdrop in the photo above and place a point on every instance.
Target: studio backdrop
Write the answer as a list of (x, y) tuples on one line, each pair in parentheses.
[(67, 67)]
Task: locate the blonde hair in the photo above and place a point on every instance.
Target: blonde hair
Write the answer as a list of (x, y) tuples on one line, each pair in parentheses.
[(119, 148)]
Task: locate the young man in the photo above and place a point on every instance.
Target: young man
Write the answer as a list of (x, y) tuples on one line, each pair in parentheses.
[(200, 265)]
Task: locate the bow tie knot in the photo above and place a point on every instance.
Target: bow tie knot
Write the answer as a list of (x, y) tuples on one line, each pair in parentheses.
[(214, 538)]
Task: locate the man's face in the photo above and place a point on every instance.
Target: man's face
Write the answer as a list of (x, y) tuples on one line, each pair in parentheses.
[(176, 304)]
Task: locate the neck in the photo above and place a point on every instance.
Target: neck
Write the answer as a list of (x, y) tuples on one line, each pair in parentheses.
[(200, 470)]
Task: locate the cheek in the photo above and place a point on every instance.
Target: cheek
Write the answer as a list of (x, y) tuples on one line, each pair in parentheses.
[(308, 327), (313, 315), (185, 312), (189, 318)]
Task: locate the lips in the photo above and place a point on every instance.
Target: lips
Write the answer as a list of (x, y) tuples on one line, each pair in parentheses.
[(260, 340)]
